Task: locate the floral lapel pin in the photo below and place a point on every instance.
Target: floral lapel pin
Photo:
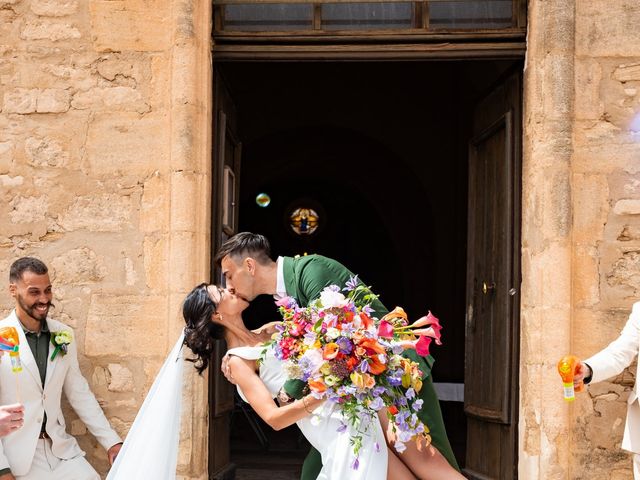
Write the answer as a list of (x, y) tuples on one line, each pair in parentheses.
[(61, 341)]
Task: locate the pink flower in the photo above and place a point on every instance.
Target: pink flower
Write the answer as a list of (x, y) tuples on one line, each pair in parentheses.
[(385, 329), (422, 346), (429, 319), (433, 332)]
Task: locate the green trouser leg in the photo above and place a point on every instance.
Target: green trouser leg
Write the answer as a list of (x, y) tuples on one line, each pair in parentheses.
[(312, 465)]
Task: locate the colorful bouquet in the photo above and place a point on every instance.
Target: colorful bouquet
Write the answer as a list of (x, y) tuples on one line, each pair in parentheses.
[(351, 358)]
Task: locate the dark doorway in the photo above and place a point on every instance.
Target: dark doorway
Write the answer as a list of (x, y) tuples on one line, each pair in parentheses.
[(380, 151)]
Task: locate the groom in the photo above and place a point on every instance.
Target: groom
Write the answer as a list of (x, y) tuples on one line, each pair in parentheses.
[(249, 271)]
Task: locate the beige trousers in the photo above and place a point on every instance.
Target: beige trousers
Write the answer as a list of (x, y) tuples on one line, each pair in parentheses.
[(46, 466)]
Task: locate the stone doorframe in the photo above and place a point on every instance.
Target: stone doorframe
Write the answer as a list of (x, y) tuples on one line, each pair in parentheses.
[(548, 251)]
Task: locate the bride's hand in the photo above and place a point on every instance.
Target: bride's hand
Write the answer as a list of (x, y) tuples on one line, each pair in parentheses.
[(226, 370), (267, 329)]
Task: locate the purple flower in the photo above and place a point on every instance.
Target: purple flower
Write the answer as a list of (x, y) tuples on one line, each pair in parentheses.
[(345, 345), (351, 284), (355, 464), (363, 367), (342, 428), (417, 405), (376, 404), (400, 446), (376, 447), (333, 288), (368, 310), (410, 393)]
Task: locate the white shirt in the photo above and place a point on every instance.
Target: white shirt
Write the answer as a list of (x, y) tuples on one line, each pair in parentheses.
[(281, 289)]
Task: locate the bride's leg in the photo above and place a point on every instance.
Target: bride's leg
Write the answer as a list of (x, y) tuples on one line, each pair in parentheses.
[(426, 464), (396, 470)]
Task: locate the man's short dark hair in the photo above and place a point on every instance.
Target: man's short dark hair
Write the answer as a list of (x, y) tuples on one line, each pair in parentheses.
[(26, 264), (246, 244)]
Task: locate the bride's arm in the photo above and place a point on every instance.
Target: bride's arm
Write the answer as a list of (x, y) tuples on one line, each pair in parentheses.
[(260, 399)]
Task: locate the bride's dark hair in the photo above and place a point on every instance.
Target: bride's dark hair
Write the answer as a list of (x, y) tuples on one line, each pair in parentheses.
[(201, 333)]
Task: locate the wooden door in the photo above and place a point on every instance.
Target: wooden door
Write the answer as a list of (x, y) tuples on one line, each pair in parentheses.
[(493, 285), (227, 151)]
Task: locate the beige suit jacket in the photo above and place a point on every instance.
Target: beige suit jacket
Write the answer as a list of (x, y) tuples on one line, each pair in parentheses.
[(63, 375), (611, 361)]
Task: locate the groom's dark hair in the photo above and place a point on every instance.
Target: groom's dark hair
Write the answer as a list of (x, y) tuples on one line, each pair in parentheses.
[(246, 244), (26, 264)]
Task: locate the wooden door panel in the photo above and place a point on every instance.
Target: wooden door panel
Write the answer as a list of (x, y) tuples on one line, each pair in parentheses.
[(224, 221), (493, 282)]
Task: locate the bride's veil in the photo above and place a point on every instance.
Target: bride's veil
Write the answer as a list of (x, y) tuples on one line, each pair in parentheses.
[(151, 447)]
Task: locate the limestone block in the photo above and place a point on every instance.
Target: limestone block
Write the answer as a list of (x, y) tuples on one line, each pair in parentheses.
[(98, 213), (53, 31), (28, 209), (63, 74), (53, 100), (8, 181), (79, 266), (130, 272), (154, 208), (630, 206), (607, 29), (20, 100), (100, 377), (626, 272), (132, 25), (54, 8), (155, 263), (586, 291), (45, 152), (127, 144), (627, 72), (186, 189), (121, 378), (78, 428), (133, 66), (628, 233), (588, 104), (590, 207), (6, 156), (112, 99), (126, 325)]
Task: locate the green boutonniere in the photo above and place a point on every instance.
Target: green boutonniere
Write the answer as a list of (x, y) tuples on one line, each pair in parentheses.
[(61, 341)]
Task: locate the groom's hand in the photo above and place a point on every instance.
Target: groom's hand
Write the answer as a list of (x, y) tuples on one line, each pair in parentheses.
[(112, 453), (226, 370), (11, 418), (7, 476)]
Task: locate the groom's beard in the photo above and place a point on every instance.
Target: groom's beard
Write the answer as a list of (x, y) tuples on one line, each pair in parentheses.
[(38, 311)]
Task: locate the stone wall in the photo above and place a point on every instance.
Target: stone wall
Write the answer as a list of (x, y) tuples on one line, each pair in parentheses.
[(105, 144), (581, 237)]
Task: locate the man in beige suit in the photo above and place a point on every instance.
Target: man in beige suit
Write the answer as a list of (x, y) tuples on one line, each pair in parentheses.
[(42, 449), (609, 362)]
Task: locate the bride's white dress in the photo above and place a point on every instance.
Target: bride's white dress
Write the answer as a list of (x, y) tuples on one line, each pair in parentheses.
[(322, 432)]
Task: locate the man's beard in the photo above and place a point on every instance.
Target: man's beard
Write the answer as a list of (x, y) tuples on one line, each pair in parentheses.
[(32, 312)]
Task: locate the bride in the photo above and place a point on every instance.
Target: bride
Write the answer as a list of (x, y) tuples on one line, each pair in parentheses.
[(212, 313)]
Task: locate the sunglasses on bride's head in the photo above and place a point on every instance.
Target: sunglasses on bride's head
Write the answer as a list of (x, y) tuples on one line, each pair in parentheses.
[(215, 301)]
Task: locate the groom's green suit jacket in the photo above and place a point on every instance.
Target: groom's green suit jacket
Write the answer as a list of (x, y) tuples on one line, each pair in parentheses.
[(304, 278)]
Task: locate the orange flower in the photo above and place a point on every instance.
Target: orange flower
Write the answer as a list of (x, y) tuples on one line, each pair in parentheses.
[(367, 321), (371, 345), (330, 351), (317, 386), (397, 312), (376, 366)]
